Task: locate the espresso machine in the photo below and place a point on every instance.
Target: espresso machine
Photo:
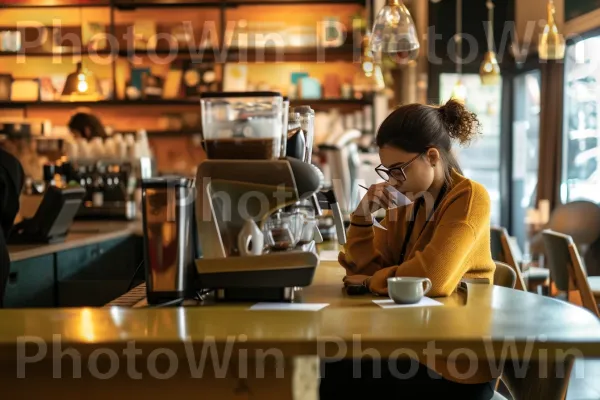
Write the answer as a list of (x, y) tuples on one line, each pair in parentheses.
[(256, 232), (110, 186), (256, 207)]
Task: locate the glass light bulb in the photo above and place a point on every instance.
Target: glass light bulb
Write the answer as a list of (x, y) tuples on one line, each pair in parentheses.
[(489, 70), (82, 86), (459, 92), (394, 33), (552, 44), (369, 83)]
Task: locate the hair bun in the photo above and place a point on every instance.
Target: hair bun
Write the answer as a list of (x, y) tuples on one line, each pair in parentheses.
[(462, 125)]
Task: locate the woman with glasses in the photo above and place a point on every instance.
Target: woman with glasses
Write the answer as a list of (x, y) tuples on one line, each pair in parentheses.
[(442, 234)]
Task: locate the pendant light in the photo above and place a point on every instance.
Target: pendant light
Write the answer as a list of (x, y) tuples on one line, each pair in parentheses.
[(370, 78), (552, 43), (80, 83), (394, 33), (459, 92), (490, 70)]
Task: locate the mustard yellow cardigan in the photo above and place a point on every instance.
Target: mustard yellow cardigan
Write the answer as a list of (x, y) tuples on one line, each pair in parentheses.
[(455, 244)]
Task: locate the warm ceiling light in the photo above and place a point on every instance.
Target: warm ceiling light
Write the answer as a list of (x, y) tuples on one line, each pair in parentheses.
[(490, 70), (79, 83), (459, 91), (552, 43), (370, 78), (394, 33)]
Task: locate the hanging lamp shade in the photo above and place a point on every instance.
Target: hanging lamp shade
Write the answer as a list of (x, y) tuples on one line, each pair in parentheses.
[(370, 77), (394, 33), (552, 44), (489, 71), (81, 83)]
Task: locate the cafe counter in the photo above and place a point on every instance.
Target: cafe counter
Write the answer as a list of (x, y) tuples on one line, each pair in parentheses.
[(94, 264)]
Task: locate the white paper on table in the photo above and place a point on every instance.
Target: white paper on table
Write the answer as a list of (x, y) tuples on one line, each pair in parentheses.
[(328, 255), (289, 306), (425, 302)]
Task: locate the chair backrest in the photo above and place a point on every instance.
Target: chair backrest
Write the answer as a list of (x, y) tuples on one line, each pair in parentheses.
[(563, 255), (503, 252), (496, 243), (558, 258), (504, 275), (588, 299)]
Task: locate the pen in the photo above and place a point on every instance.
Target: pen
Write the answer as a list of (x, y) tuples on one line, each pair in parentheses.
[(364, 187)]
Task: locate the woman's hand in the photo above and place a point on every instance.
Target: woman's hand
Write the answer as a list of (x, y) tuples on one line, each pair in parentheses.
[(377, 197), (378, 282), (350, 280)]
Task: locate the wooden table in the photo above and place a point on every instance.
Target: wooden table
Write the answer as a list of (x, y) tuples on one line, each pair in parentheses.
[(167, 339)]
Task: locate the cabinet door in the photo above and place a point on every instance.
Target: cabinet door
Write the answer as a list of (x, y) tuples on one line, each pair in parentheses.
[(31, 283), (96, 274)]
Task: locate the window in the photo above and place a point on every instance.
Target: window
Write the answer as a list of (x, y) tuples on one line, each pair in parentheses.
[(480, 160), (526, 132), (581, 151)]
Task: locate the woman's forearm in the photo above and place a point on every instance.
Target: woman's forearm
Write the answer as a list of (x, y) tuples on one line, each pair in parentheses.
[(361, 254)]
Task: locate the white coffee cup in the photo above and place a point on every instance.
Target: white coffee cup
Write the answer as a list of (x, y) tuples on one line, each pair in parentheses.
[(407, 290)]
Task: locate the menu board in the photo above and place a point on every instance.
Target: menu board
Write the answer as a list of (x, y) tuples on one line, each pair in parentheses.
[(577, 8)]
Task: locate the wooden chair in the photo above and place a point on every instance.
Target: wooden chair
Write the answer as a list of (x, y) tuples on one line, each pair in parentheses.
[(510, 384), (567, 269), (505, 275), (502, 252)]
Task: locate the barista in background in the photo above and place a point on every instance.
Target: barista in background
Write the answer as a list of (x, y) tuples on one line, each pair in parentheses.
[(11, 183), (86, 125)]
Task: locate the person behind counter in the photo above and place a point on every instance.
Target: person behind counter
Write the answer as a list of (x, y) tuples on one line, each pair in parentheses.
[(443, 235), (87, 125), (11, 183)]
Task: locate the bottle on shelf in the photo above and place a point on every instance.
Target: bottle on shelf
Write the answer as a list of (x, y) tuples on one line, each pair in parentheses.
[(98, 187)]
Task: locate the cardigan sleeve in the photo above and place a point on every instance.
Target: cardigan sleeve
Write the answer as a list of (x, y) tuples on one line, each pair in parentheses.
[(366, 250)]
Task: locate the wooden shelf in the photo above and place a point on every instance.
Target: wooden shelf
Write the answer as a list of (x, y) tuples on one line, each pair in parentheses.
[(54, 3), (286, 54), (51, 104), (51, 54), (167, 102), (132, 4), (293, 54), (167, 133)]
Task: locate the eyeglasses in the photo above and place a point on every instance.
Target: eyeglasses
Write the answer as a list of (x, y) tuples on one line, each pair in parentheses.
[(396, 172)]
